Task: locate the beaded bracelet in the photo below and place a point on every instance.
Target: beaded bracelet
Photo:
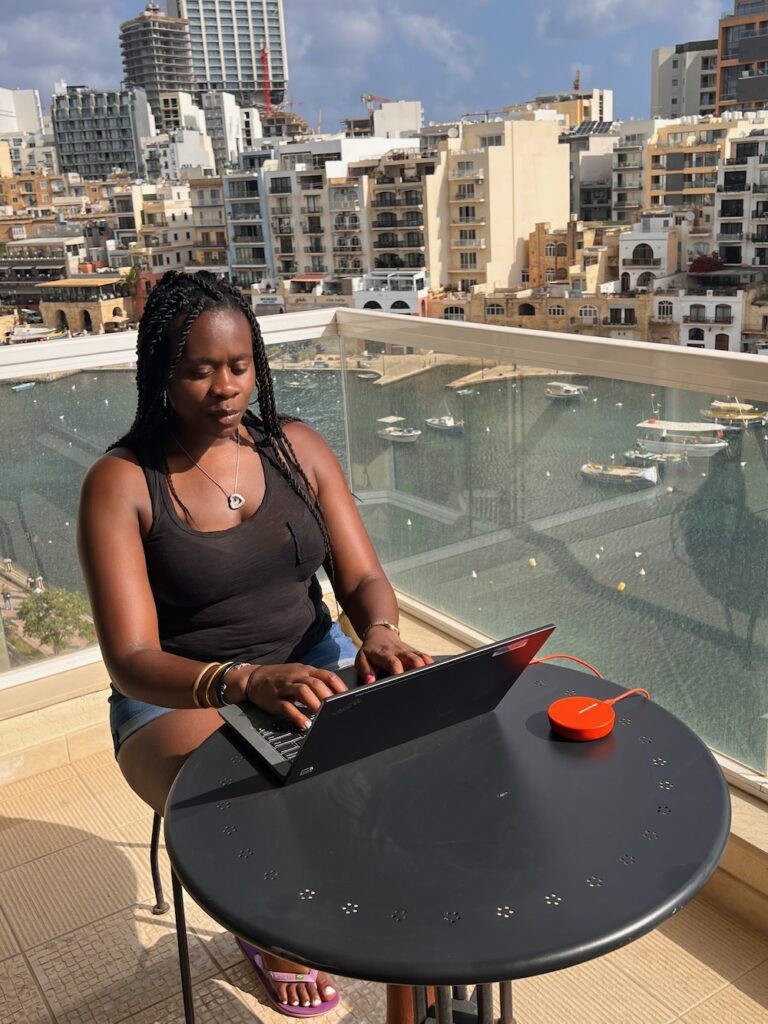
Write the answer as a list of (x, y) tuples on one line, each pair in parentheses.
[(379, 622)]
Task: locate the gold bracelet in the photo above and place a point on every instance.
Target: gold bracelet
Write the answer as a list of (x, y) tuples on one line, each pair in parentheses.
[(214, 677), (379, 622), (199, 679)]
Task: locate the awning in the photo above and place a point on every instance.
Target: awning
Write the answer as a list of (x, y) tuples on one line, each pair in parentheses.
[(310, 277)]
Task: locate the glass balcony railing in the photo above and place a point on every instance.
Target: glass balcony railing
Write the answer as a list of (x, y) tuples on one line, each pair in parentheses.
[(659, 583)]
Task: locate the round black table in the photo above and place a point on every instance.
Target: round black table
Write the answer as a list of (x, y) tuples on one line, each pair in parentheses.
[(486, 852)]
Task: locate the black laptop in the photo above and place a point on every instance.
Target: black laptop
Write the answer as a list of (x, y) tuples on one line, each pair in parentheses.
[(367, 719)]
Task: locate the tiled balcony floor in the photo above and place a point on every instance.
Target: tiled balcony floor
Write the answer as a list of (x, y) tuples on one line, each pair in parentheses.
[(79, 944)]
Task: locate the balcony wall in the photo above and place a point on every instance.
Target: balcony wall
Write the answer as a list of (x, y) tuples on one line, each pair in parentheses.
[(493, 527)]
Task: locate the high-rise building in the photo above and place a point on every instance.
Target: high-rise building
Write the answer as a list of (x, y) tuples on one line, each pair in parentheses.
[(742, 82), (157, 54), (20, 111), (684, 79), (238, 46), (97, 131)]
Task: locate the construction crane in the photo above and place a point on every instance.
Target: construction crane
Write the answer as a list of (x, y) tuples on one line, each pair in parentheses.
[(267, 82), (370, 99), (577, 80)]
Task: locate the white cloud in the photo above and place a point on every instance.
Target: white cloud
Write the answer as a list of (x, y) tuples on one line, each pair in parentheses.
[(454, 49), (561, 19)]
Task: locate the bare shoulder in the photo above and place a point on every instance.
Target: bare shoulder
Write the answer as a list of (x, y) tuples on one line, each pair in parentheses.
[(112, 476), (314, 454)]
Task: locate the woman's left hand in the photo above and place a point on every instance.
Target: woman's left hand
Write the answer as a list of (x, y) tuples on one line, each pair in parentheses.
[(385, 654)]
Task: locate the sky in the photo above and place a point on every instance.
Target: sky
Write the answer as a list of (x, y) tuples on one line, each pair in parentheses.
[(456, 56)]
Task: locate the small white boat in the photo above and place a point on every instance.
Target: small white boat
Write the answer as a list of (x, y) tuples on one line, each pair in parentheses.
[(563, 391), (368, 375), (27, 385), (393, 432), (447, 424), (694, 440), (735, 414), (465, 391), (640, 456), (623, 476)]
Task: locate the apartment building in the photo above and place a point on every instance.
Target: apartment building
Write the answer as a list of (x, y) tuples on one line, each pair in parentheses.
[(628, 168), (742, 55), (578, 256), (37, 258), (26, 190), (157, 55), (224, 125), (591, 147), (238, 46), (684, 79), (246, 213), (576, 106), (741, 215), (682, 161), (179, 110), (209, 223), (502, 178), (165, 235), (172, 154), (99, 131)]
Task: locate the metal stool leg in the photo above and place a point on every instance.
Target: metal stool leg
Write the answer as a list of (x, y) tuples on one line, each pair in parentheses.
[(161, 905), (181, 938), (443, 1005)]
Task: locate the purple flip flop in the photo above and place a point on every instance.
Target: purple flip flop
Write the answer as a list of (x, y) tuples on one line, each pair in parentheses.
[(268, 978)]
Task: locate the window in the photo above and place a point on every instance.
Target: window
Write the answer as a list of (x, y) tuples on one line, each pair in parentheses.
[(526, 309), (697, 312), (494, 309), (550, 275), (562, 249), (468, 260), (525, 276), (665, 309), (454, 313), (587, 312), (491, 140), (549, 249), (556, 311), (723, 313)]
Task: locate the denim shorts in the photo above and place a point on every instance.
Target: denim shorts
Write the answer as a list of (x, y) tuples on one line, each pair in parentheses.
[(126, 715)]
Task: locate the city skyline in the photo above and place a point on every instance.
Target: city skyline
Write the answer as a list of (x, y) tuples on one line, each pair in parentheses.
[(457, 57)]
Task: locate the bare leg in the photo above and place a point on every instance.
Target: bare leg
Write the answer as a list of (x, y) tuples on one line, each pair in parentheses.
[(150, 760)]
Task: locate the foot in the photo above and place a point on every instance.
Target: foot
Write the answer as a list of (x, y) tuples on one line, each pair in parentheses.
[(299, 993)]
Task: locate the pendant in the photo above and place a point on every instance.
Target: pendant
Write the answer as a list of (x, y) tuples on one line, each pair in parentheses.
[(235, 501)]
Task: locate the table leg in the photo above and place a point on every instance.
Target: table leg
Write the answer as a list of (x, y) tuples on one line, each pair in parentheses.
[(443, 1005), (505, 991), (484, 997), (181, 938)]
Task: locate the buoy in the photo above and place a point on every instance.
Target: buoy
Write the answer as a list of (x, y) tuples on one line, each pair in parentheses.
[(602, 548), (474, 575), (621, 587), (742, 464), (638, 553), (66, 523), (487, 430), (408, 522), (106, 401), (704, 474), (532, 563), (619, 405), (73, 387), (670, 490), (642, 572), (548, 473), (594, 399), (61, 417), (597, 554)]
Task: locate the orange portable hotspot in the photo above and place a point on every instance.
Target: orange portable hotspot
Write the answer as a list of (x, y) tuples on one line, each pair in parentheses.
[(585, 718)]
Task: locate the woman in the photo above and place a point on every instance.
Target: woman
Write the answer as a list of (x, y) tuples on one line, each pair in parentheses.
[(200, 532)]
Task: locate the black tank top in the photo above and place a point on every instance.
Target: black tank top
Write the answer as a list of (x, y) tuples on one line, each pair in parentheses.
[(248, 592)]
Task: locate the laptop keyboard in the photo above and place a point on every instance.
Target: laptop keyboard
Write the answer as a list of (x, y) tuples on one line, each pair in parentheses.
[(287, 742)]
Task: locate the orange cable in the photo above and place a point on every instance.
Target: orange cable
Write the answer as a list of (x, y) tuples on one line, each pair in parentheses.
[(568, 657)]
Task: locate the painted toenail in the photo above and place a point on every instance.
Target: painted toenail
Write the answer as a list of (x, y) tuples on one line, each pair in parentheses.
[(328, 991), (316, 1001)]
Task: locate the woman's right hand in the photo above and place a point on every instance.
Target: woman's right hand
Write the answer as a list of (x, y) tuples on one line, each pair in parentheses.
[(277, 689)]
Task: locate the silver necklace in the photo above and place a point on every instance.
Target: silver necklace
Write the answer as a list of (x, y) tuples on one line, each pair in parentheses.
[(234, 500)]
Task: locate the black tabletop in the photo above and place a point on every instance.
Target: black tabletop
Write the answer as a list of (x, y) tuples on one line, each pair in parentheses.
[(491, 850)]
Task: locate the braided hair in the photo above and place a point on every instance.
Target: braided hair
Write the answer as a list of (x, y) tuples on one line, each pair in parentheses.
[(172, 309)]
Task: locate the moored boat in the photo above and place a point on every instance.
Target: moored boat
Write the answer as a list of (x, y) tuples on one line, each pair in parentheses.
[(694, 440), (26, 385), (393, 432), (735, 414), (368, 375), (564, 391), (447, 424), (623, 476), (640, 456)]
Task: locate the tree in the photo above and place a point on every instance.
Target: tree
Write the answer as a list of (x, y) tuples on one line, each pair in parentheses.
[(54, 617)]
